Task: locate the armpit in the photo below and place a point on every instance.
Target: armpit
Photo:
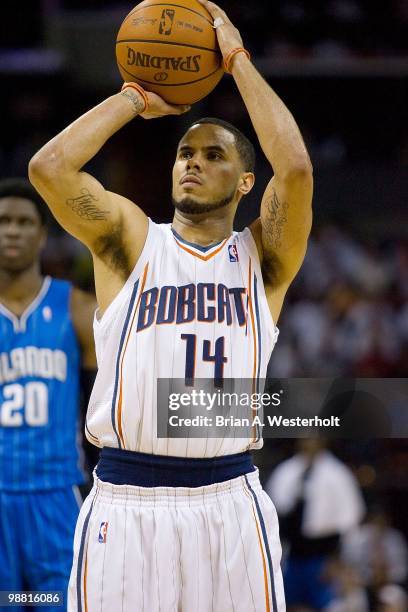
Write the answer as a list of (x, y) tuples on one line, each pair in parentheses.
[(111, 249), (271, 267)]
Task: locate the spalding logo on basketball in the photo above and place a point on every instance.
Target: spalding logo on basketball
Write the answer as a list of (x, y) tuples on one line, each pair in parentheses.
[(170, 49)]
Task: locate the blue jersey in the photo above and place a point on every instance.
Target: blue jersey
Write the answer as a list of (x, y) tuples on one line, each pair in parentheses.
[(39, 394)]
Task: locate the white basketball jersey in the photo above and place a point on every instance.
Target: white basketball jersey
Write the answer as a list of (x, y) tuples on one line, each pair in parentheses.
[(185, 312)]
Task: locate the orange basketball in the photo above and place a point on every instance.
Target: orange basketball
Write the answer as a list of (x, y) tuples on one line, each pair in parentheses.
[(170, 49)]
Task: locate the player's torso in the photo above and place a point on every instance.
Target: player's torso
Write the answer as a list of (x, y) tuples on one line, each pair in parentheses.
[(39, 369), (187, 313)]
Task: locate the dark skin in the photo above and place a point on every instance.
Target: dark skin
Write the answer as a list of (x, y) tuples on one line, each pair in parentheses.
[(22, 237)]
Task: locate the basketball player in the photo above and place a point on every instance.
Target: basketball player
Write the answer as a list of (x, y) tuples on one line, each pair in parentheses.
[(181, 524), (45, 337)]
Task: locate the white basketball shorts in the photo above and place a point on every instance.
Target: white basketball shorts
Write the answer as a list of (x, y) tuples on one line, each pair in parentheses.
[(204, 549)]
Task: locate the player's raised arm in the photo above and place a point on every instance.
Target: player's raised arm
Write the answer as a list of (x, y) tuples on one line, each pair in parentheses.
[(78, 201), (284, 225)]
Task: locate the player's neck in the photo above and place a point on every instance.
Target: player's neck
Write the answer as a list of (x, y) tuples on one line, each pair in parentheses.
[(20, 287), (202, 231)]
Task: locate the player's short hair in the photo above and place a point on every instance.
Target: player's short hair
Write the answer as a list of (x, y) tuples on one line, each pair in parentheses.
[(244, 147), (22, 188)]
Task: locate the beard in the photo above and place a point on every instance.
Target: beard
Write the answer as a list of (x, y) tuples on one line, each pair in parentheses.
[(190, 206)]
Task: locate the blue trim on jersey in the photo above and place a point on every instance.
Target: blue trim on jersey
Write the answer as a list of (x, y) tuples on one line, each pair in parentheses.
[(122, 340), (20, 322), (266, 543), (199, 247), (90, 433), (120, 467), (258, 324), (259, 336)]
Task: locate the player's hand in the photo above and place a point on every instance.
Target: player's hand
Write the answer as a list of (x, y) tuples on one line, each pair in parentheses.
[(157, 107), (228, 36)]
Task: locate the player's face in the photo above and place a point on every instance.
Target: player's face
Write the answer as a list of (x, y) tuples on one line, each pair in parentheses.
[(21, 234), (206, 171)]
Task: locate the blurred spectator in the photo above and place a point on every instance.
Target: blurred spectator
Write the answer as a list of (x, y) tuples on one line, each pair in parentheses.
[(349, 594), (318, 500), (392, 598), (377, 551)]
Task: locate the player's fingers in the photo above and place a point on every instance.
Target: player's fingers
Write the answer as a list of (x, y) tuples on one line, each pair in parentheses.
[(178, 109), (215, 11), (172, 111), (185, 108)]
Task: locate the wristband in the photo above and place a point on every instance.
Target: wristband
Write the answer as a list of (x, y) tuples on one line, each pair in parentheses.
[(230, 56), (139, 90)]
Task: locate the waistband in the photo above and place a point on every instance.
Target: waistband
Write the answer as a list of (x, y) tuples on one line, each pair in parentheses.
[(132, 496), (123, 467)]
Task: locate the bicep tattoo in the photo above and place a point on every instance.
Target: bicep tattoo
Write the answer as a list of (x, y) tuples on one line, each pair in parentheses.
[(84, 206), (273, 221)]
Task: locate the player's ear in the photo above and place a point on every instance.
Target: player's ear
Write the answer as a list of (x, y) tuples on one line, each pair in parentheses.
[(246, 182)]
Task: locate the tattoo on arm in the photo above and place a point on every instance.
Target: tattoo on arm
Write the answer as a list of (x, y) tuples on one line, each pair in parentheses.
[(274, 220), (135, 100), (84, 207)]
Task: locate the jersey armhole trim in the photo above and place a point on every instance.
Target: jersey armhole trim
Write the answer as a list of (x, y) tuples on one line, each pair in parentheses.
[(249, 241), (109, 313)]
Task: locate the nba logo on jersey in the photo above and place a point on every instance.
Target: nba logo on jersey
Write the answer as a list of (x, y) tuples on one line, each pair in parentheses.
[(103, 529), (47, 313), (233, 253)]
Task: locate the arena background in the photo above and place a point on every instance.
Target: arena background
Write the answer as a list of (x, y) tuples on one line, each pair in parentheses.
[(342, 68)]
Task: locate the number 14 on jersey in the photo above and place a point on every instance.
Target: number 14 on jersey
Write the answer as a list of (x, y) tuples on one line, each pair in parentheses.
[(218, 357)]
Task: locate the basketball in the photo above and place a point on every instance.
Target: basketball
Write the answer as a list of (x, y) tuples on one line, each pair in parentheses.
[(170, 49)]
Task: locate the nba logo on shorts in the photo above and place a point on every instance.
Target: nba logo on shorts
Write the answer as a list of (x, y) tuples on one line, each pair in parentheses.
[(233, 253), (103, 529)]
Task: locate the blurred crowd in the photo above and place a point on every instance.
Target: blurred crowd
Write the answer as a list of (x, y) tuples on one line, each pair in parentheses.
[(347, 313), (284, 28), (340, 28), (335, 28)]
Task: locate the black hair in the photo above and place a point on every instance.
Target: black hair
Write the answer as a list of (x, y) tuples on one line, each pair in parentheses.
[(244, 147), (22, 188)]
